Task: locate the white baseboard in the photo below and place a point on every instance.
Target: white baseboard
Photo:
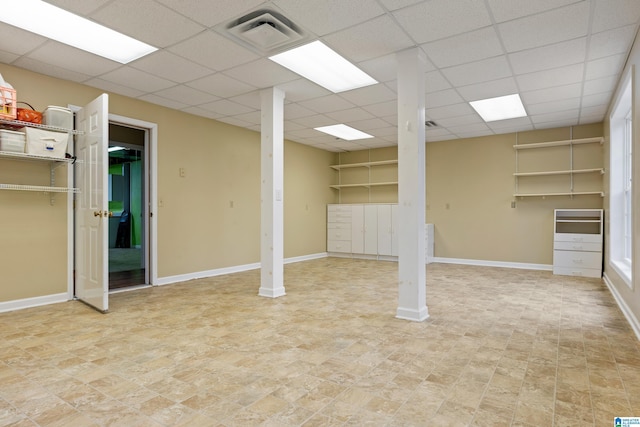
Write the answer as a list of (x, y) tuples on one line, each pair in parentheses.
[(230, 270), (503, 264), (20, 304), (628, 314)]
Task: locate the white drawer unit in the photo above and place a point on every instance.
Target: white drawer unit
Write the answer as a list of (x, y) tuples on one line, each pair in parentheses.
[(577, 242), (339, 229)]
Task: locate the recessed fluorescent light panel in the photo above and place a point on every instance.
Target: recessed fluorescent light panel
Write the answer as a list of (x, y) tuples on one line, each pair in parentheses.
[(500, 108), (320, 64), (58, 24), (344, 132)]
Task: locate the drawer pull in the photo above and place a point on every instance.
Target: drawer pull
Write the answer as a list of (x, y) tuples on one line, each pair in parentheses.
[(577, 246), (578, 239), (577, 261)]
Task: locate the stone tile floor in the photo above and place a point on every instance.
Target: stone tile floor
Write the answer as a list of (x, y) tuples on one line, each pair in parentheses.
[(502, 347)]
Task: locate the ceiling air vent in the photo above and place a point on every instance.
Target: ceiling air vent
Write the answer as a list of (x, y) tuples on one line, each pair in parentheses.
[(264, 31), (430, 124)]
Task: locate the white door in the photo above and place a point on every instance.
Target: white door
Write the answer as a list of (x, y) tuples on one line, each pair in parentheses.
[(384, 230), (357, 229), (92, 210)]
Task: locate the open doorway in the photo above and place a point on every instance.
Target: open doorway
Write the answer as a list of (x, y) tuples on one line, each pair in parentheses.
[(127, 180)]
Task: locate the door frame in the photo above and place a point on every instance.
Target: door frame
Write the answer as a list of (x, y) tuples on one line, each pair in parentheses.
[(151, 195)]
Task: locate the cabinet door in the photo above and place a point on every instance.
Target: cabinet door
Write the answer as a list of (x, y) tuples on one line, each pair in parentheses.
[(394, 230), (370, 229), (385, 238), (357, 229)]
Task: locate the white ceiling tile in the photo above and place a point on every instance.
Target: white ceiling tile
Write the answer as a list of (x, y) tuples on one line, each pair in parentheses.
[(369, 95), (64, 56), (553, 106), (221, 53), (552, 94), (476, 72), (351, 114), (233, 120), (112, 87), (225, 107), (474, 133), (79, 7), (382, 69), (165, 102), (569, 116), (596, 100), (467, 119), (548, 57), (17, 41), (211, 13), (294, 111), (442, 98), (597, 111), (611, 42), (385, 132), (505, 10), (305, 132), (520, 122), (562, 24), (171, 67), (252, 117), (463, 48), (551, 78), (603, 67), (606, 17), (262, 73), (605, 84), (315, 121), (441, 138), (449, 111), (50, 70), (434, 81), (147, 21), (398, 4), (383, 109), (221, 85), (187, 95), (466, 129), (302, 89), (197, 111), (370, 124), (290, 126), (328, 16), (437, 19), (436, 132), (372, 39), (327, 103), (251, 99), (131, 77), (7, 58), (491, 89)]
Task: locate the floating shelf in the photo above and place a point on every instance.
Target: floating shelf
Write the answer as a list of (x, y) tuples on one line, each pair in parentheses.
[(563, 172), (38, 188), (31, 157), (364, 165), (575, 193), (371, 184), (597, 139)]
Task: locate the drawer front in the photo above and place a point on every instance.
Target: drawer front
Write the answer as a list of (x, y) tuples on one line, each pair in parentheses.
[(339, 217), (346, 226), (575, 259), (584, 272), (338, 234), (578, 246), (338, 208), (339, 246), (578, 238)]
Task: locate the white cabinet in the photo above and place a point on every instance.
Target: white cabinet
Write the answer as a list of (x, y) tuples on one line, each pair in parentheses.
[(577, 242), (367, 231)]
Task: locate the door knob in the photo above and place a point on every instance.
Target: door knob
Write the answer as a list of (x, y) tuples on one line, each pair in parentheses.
[(108, 214), (98, 213)]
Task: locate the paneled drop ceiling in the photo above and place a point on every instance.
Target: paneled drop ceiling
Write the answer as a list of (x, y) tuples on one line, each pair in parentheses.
[(563, 57)]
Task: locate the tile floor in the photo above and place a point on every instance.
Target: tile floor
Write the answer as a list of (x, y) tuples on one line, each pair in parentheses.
[(502, 348)]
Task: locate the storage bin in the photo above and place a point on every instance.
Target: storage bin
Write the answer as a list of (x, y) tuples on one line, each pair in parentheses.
[(58, 116), (12, 141), (46, 143), (7, 103)]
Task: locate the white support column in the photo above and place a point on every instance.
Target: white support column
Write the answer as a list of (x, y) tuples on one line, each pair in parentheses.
[(412, 277), (271, 193)]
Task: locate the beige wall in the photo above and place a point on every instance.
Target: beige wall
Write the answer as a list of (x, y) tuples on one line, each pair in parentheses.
[(209, 219), (470, 188), (630, 296)]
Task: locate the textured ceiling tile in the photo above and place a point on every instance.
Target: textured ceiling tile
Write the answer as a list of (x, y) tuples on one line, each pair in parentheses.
[(64, 56), (505, 10), (146, 20), (553, 106), (83, 7), (221, 85), (552, 94), (294, 111), (611, 42), (551, 78), (210, 13), (171, 67), (186, 95), (596, 99), (302, 89), (442, 98), (382, 69), (570, 116), (437, 19), (383, 109), (548, 57), (398, 4), (114, 88), (463, 48), (605, 84), (226, 107), (622, 13), (161, 100), (559, 25), (369, 95), (603, 67), (491, 89), (328, 16), (221, 53), (17, 41), (327, 103), (372, 39), (449, 111), (349, 115), (50, 70), (476, 72), (262, 73), (435, 81), (133, 78)]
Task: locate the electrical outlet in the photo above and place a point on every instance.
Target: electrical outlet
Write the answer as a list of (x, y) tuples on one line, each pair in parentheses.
[(182, 172)]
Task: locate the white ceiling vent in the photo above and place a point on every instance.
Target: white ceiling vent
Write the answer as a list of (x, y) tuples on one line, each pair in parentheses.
[(265, 31)]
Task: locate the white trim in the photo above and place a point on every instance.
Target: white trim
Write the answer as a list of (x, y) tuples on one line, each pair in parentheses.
[(623, 270), (20, 304), (503, 264), (628, 314), (230, 270)]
